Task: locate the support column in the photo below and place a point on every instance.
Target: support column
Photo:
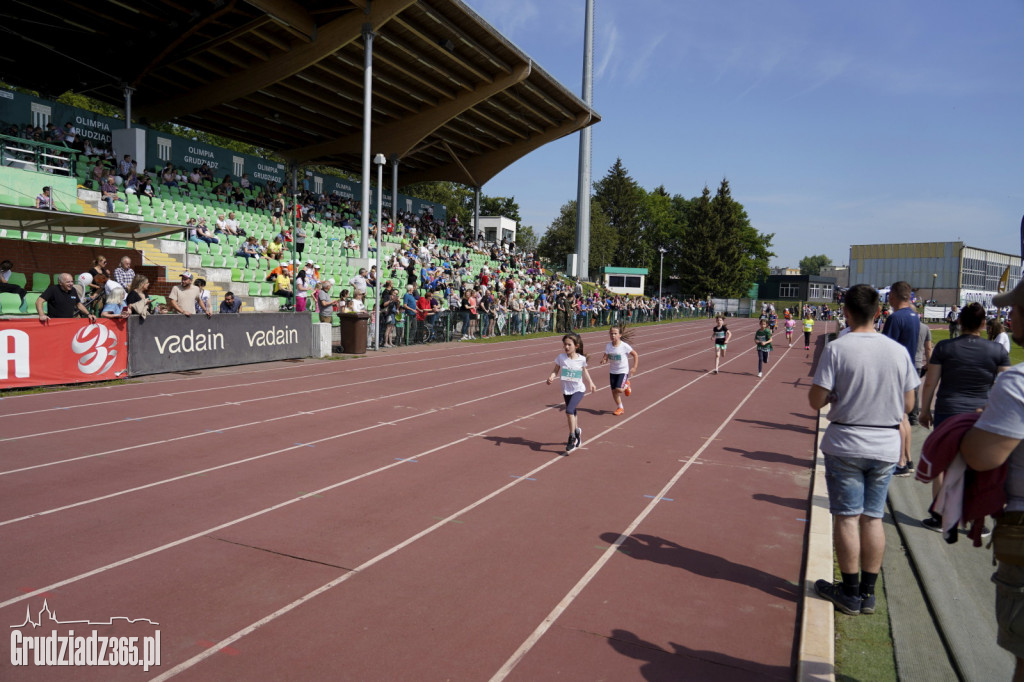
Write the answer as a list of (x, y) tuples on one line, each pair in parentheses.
[(394, 189), (364, 221), (583, 190), (476, 213)]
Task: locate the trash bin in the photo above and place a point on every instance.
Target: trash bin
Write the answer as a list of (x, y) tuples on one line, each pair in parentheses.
[(353, 332)]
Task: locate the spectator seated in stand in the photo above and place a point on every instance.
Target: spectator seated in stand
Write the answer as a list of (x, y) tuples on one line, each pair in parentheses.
[(6, 268)]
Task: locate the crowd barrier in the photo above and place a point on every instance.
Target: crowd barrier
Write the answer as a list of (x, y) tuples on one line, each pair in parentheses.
[(176, 343), (72, 351)]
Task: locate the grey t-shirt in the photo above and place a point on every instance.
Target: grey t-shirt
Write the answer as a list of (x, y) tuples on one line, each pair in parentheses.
[(969, 366), (1004, 416), (923, 337), (868, 373)]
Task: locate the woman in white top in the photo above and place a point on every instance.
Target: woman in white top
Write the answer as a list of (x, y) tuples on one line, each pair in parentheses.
[(997, 333), (618, 352), (571, 366)]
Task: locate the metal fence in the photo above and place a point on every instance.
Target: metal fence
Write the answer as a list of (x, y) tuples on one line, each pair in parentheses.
[(451, 325)]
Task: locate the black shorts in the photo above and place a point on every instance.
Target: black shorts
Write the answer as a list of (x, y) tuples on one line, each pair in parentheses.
[(618, 380)]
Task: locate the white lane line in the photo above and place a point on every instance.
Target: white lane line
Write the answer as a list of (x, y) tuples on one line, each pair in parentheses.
[(228, 524), (304, 391), (578, 588), (198, 658), (288, 416), (203, 472)]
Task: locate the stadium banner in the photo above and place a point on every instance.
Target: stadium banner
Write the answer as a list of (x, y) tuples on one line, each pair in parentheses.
[(19, 108), (186, 154), (61, 351), (353, 189), (176, 343)]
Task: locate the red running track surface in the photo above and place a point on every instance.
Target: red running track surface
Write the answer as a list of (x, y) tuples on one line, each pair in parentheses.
[(409, 516)]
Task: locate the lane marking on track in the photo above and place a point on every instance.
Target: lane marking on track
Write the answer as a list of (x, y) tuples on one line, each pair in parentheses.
[(367, 474), (303, 392), (185, 665), (578, 588), (289, 416), (297, 377)]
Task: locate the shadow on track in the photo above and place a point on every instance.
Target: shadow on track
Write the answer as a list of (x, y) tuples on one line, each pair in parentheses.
[(775, 457)]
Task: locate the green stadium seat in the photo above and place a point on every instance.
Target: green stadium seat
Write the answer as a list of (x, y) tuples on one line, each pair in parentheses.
[(40, 281), (267, 289), (18, 279), (10, 304), (254, 289), (236, 275)]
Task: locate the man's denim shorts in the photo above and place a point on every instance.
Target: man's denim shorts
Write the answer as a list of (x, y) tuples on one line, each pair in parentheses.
[(857, 485)]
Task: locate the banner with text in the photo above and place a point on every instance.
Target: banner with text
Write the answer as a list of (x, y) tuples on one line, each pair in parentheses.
[(61, 351), (176, 343)]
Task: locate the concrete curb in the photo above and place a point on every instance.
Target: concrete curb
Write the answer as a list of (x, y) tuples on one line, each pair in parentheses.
[(816, 654)]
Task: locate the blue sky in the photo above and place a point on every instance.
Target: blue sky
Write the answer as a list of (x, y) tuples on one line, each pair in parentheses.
[(835, 123)]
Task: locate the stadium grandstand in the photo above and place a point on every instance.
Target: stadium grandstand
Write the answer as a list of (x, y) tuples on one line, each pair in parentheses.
[(429, 85)]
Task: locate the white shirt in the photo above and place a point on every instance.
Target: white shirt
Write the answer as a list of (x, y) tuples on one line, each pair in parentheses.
[(618, 357), (358, 283), (571, 373)]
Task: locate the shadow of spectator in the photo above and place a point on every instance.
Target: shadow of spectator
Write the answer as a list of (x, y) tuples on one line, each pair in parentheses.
[(662, 551), (776, 457), (519, 441), (782, 427), (791, 502), (684, 663)]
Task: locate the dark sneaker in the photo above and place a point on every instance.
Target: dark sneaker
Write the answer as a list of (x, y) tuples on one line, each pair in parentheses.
[(910, 466), (902, 472), (833, 592), (932, 523), (867, 603), (579, 437), (570, 444)]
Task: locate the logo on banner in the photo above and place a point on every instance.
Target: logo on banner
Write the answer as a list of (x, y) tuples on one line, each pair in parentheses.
[(87, 648), (95, 347), (14, 345)]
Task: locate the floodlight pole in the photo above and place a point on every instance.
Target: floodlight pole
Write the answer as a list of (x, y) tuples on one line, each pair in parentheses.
[(661, 276), (583, 188), (380, 160), (364, 229)]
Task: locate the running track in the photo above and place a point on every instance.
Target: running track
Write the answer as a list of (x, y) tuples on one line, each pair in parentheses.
[(408, 516)]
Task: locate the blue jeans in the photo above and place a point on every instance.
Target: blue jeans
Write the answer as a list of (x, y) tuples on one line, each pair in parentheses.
[(857, 485)]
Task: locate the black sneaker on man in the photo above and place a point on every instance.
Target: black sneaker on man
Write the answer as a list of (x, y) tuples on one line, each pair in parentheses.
[(932, 523), (902, 472), (867, 603), (834, 593)]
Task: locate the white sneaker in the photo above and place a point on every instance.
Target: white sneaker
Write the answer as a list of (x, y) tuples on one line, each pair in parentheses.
[(758, 375)]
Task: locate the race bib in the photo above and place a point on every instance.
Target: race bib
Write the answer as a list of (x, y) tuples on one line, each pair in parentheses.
[(571, 374), (615, 358)]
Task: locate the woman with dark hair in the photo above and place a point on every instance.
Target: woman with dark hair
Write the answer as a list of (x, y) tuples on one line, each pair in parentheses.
[(963, 370), (997, 333)]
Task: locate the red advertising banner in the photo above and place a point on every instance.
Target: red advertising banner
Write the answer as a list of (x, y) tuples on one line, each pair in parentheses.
[(61, 351)]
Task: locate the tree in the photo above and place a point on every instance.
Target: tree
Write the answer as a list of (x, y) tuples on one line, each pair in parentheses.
[(812, 265), (500, 206), (526, 238), (560, 239), (624, 202)]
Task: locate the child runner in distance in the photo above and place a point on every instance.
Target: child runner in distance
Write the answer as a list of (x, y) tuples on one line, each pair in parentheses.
[(763, 343), (772, 320), (790, 326), (618, 352), (721, 335), (808, 328), (571, 366)]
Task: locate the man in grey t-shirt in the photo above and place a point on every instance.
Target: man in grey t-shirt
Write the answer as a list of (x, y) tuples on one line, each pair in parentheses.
[(924, 353), (869, 379), (998, 437)]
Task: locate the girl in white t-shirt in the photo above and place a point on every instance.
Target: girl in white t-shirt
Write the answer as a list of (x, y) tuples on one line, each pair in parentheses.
[(618, 352), (571, 366)]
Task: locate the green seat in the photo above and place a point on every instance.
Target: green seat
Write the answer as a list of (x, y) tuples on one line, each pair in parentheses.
[(254, 289), (40, 280), (10, 304), (36, 237), (267, 289), (207, 261), (236, 275), (18, 279)]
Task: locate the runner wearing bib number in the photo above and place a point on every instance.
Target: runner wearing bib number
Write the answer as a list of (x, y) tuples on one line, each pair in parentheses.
[(721, 335), (571, 367), (618, 352)]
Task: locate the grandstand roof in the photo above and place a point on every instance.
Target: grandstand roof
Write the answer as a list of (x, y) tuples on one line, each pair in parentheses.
[(452, 97)]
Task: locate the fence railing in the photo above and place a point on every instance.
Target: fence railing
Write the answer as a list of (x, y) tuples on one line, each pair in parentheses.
[(43, 157)]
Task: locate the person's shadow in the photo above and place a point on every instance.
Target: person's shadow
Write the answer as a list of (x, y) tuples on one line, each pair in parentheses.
[(519, 441), (774, 457), (684, 663), (662, 551)]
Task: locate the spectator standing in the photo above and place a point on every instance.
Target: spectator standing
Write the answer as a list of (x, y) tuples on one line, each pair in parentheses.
[(137, 294), (203, 300), (62, 301), (123, 274), (325, 304), (115, 307), (997, 333), (921, 360), (44, 199), (230, 304), (995, 440), (184, 296), (358, 282), (301, 291), (903, 326), (953, 319), (870, 382)]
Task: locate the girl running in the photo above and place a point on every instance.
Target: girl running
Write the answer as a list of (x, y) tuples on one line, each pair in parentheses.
[(618, 352), (763, 344), (808, 328), (790, 326), (571, 365), (721, 335)]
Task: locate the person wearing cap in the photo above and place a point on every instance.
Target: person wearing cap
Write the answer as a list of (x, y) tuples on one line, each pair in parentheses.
[(282, 279), (184, 296)]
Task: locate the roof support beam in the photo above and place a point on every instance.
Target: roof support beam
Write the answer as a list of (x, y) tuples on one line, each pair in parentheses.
[(329, 39), (403, 135), (482, 168), (291, 14)]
